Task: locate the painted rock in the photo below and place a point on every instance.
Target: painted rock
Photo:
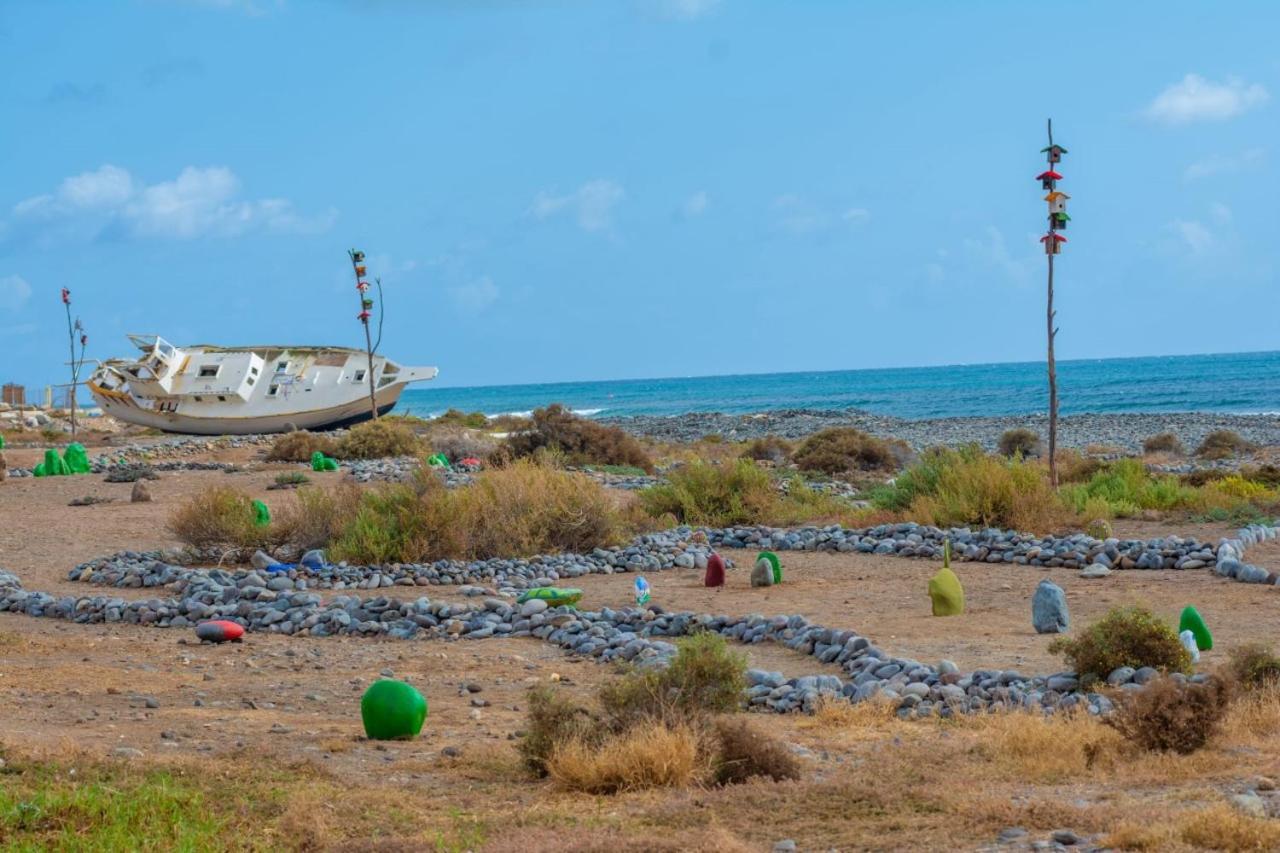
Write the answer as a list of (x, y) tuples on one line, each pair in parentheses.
[(762, 574), (219, 631), (715, 571), (1049, 609), (946, 593), (1192, 621), (554, 596), (1188, 639), (774, 562), (392, 710)]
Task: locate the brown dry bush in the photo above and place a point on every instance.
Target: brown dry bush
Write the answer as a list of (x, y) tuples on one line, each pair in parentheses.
[(1075, 467), (378, 439), (1223, 444), (1019, 442), (582, 441), (1255, 665), (1125, 636), (553, 718), (1266, 474), (317, 516), (842, 450), (218, 517), (743, 752), (458, 444), (298, 447), (656, 754), (1168, 715), (770, 448), (1164, 442)]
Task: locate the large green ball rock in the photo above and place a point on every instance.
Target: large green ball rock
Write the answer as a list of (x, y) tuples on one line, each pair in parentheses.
[(392, 710), (1192, 621)]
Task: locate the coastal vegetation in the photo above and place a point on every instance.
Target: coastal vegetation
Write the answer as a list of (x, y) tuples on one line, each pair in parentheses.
[(1126, 636), (845, 450), (739, 492), (580, 441), (1164, 442), (378, 439), (1223, 444), (1019, 442), (297, 446)]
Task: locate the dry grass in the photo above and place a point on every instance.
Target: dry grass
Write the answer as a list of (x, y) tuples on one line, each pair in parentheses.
[(317, 516), (658, 754), (844, 450), (743, 751), (582, 441), (1218, 827), (378, 440), (218, 517), (299, 445)]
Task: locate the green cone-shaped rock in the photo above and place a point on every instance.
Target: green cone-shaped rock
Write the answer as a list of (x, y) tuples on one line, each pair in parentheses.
[(52, 466), (76, 458), (1192, 621), (261, 515), (392, 710), (946, 593), (774, 562)]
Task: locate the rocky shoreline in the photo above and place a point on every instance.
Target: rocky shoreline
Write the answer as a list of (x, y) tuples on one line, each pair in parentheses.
[(1122, 430)]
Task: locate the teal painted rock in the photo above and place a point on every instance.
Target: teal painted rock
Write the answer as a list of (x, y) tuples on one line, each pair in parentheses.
[(553, 596), (946, 593), (392, 710), (1192, 621), (774, 562)]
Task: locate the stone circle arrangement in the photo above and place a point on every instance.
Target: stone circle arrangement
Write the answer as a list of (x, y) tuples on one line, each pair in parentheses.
[(274, 598)]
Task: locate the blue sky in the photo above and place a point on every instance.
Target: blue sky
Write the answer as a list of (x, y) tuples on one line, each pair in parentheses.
[(571, 190)]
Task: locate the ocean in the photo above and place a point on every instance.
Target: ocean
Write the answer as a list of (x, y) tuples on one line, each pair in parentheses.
[(1234, 382)]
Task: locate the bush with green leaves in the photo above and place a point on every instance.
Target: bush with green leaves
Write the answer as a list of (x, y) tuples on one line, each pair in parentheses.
[(739, 492), (1125, 636)]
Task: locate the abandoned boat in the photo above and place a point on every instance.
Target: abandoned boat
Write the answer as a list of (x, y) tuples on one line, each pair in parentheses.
[(211, 390)]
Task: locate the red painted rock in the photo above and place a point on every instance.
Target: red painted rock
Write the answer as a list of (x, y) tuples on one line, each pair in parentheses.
[(219, 631), (715, 571)]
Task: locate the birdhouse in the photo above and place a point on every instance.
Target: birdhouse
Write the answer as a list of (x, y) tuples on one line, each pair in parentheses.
[(1053, 243), (1058, 221), (1048, 178), (1057, 201), (1054, 153)]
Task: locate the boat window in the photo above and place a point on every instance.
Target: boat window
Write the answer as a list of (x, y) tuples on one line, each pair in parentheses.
[(273, 390), (359, 376), (221, 399), (165, 349), (208, 371), (282, 366), (199, 399), (253, 370), (250, 380)]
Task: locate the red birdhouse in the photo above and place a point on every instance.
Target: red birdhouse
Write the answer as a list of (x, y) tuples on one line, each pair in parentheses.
[(715, 571), (1047, 178), (1053, 243)]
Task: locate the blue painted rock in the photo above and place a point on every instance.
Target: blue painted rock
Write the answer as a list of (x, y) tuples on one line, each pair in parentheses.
[(392, 710), (1049, 609), (219, 631)]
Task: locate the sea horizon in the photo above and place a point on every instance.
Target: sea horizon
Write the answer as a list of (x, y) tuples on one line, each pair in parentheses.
[(1237, 383)]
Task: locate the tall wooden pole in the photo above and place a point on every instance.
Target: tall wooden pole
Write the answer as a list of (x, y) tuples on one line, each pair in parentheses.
[(362, 286), (1052, 333), (71, 333)]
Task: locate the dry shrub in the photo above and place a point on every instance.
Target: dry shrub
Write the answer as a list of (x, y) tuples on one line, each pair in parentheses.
[(704, 677), (770, 448), (459, 418), (1221, 827), (743, 752), (1024, 443), (218, 517), (520, 510), (582, 441), (1202, 477), (739, 492), (378, 439), (1076, 467), (657, 754), (842, 450), (317, 516), (1168, 715), (458, 444), (1255, 665), (298, 447), (1266, 474), (1223, 444), (1125, 636), (1165, 442), (993, 493), (553, 719)]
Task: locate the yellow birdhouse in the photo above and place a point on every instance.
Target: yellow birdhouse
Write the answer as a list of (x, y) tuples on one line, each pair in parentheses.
[(1057, 201)]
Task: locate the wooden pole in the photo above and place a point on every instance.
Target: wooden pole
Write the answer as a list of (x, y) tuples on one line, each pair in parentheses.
[(1050, 246), (368, 337), (71, 394)]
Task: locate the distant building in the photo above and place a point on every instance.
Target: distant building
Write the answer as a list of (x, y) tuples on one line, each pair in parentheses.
[(14, 395)]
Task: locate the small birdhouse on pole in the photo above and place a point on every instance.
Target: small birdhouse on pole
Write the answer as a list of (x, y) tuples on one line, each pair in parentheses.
[(1053, 243), (1054, 153), (1057, 201), (1048, 179)]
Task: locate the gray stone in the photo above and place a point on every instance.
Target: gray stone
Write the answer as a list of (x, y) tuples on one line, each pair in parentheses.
[(1097, 570), (1049, 609)]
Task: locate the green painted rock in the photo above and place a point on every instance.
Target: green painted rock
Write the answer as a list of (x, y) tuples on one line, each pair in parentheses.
[(392, 710), (52, 466), (1192, 621), (774, 562), (320, 462), (552, 595), (76, 458), (946, 593), (261, 515)]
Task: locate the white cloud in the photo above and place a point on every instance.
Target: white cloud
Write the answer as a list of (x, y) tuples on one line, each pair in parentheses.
[(1194, 234), (476, 296), (1197, 99), (696, 204), (797, 215), (1218, 164), (200, 201), (681, 10), (591, 204), (992, 251), (14, 292), (1220, 213)]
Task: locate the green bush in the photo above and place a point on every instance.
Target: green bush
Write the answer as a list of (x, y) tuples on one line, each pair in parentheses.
[(844, 450), (218, 517), (1019, 442), (580, 440), (1127, 487), (704, 677), (1125, 636), (1255, 665), (736, 493), (1223, 444), (456, 417), (292, 478), (1171, 716), (378, 439), (1165, 442)]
